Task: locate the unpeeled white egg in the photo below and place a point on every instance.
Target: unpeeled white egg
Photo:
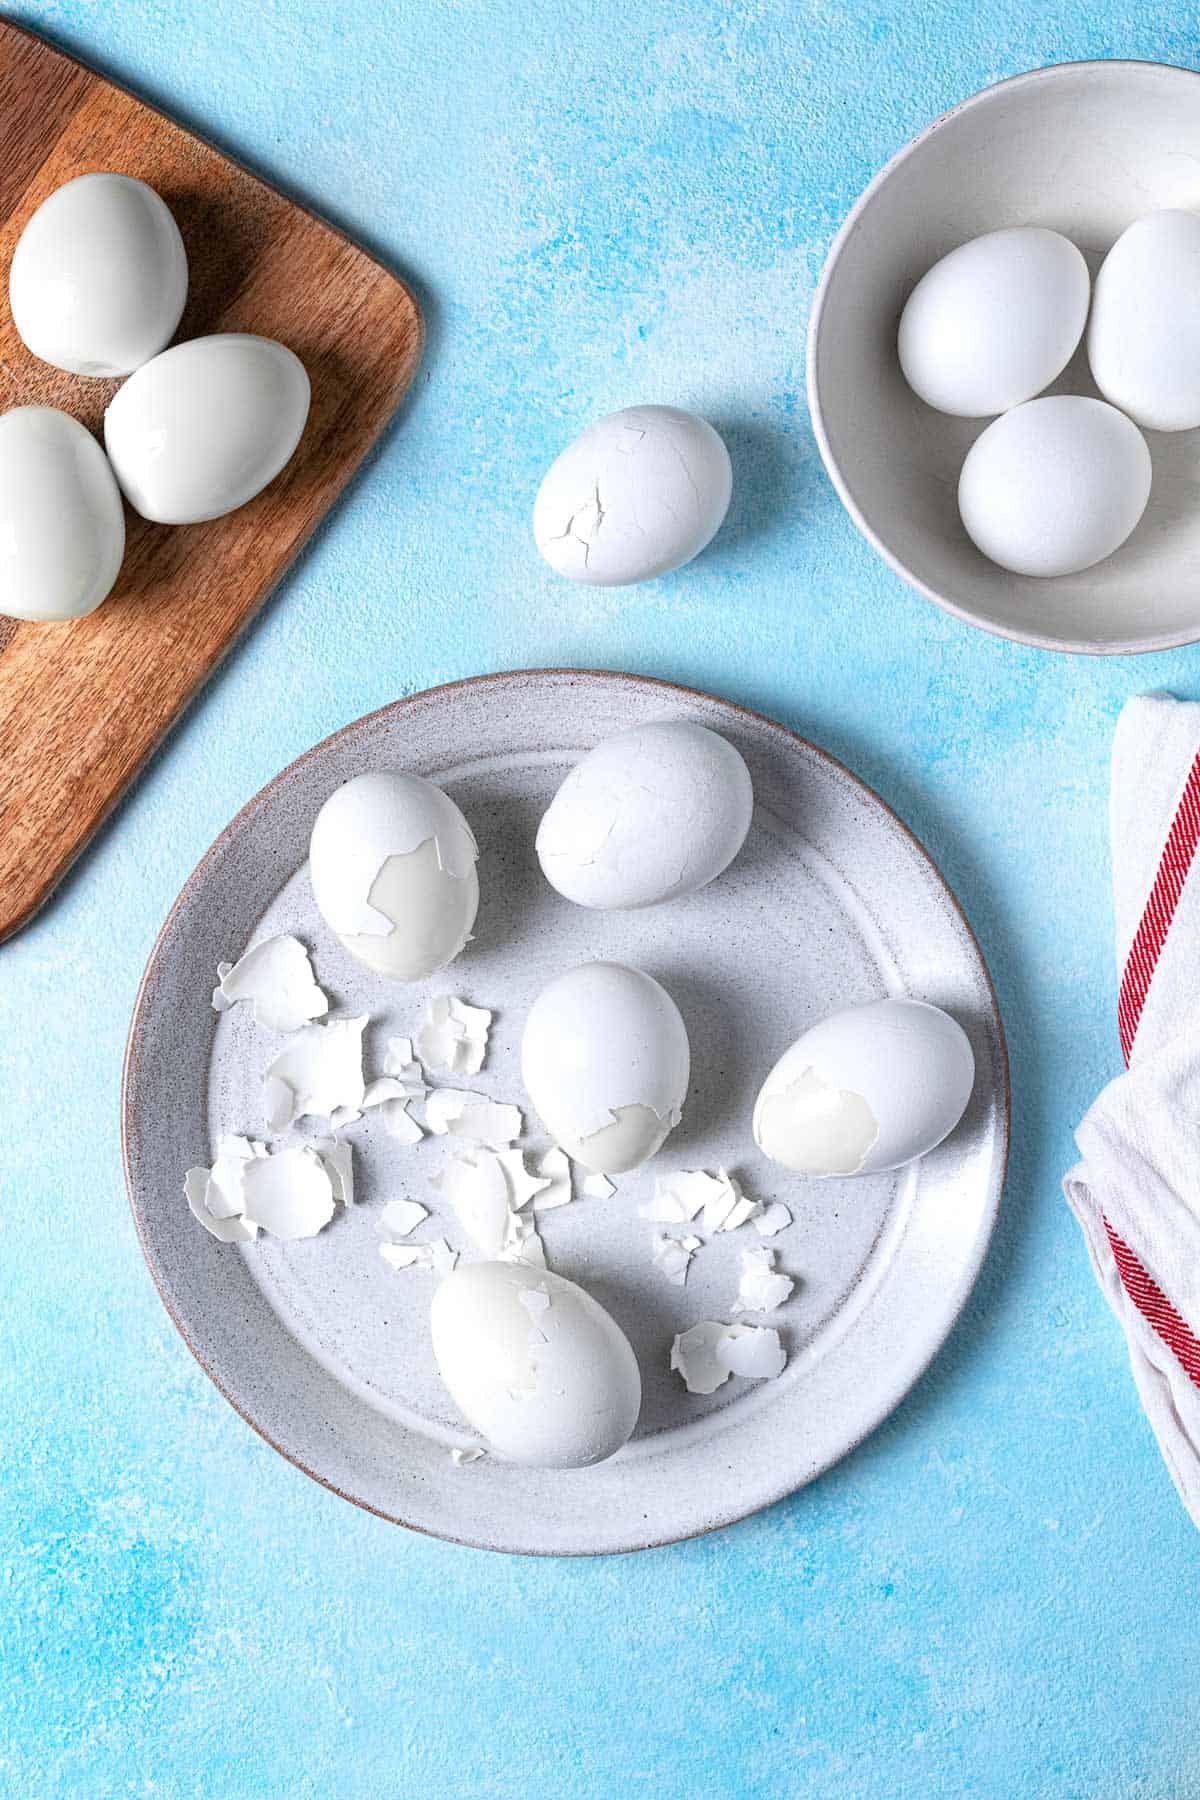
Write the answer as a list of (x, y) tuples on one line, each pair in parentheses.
[(1144, 332), (99, 276), (866, 1090), (204, 427), (649, 814), (535, 1364), (635, 495), (605, 1061), (1054, 486), (995, 321), (392, 865), (62, 526)]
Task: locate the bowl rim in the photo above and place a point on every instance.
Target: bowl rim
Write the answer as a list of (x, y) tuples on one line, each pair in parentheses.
[(1039, 640)]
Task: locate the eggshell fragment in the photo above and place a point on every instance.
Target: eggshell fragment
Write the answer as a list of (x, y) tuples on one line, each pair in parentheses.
[(605, 1060), (291, 1194), (392, 865), (318, 1072), (453, 1036), (708, 1354), (276, 976), (649, 814), (672, 1255), (866, 1090), (1144, 331), (553, 1388), (99, 276), (202, 428), (995, 321), (400, 1218), (463, 1113), (761, 1288), (62, 526), (634, 496)]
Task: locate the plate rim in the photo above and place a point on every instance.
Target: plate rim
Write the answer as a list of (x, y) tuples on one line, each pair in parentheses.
[(391, 709)]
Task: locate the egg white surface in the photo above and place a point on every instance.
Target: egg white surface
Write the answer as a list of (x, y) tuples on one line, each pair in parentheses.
[(62, 526), (202, 428), (99, 276)]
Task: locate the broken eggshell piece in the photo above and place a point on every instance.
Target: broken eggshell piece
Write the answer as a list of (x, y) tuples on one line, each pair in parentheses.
[(635, 495), (392, 865), (605, 1061), (649, 814), (535, 1364), (867, 1090)]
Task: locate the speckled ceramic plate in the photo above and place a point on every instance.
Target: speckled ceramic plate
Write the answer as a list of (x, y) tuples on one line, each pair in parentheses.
[(325, 1350)]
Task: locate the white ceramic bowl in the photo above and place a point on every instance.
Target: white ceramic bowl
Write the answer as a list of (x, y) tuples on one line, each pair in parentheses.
[(1085, 148)]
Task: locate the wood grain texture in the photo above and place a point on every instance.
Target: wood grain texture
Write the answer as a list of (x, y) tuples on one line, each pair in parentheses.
[(83, 704)]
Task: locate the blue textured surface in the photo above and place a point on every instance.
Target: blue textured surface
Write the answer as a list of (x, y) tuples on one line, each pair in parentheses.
[(598, 204)]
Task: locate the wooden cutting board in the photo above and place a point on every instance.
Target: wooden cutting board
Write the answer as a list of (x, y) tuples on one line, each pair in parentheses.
[(83, 704)]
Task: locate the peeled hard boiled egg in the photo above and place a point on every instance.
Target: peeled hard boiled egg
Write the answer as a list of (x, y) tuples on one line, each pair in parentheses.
[(535, 1364), (995, 321), (1144, 334), (392, 865), (605, 1060), (62, 526), (1054, 486), (866, 1090), (99, 276), (202, 428), (637, 494), (649, 814)]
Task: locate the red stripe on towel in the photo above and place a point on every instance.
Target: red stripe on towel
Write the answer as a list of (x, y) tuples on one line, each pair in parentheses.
[(1153, 1304), (1155, 922), (1144, 952)]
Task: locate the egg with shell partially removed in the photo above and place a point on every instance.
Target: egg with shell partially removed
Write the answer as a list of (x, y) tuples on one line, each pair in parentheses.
[(536, 1364), (392, 866), (867, 1090), (606, 1063)]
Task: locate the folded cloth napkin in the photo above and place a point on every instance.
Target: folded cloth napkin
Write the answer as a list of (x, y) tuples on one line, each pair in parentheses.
[(1136, 1191)]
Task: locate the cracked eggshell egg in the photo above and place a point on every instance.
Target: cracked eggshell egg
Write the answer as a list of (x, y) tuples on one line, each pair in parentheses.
[(392, 865), (649, 814), (201, 429), (1144, 332), (1054, 486), (605, 1061), (995, 321), (535, 1364), (62, 526), (866, 1090), (637, 494), (99, 276)]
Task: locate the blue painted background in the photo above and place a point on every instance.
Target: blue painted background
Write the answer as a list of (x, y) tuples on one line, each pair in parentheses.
[(996, 1596)]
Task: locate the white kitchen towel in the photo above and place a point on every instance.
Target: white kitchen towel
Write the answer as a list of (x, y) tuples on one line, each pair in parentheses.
[(1136, 1191)]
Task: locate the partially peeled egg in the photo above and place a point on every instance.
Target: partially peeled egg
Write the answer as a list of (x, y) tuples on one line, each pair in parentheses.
[(867, 1090), (392, 865), (535, 1364), (606, 1063)]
